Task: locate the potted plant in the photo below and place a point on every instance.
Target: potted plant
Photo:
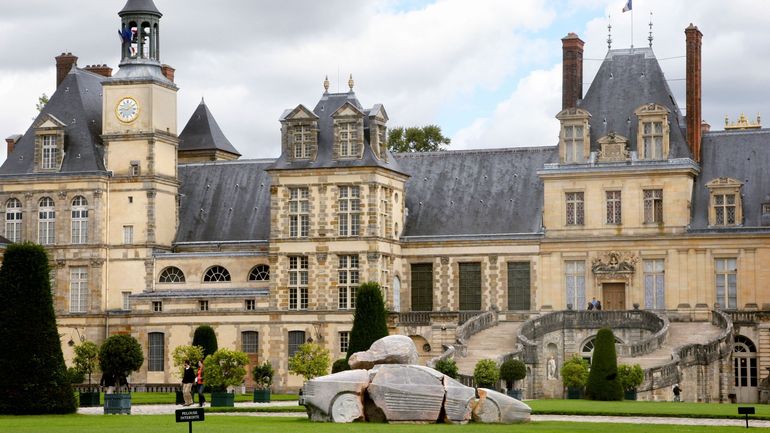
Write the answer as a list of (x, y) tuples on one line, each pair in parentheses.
[(630, 377), (224, 369), (119, 356), (486, 374), (263, 378), (86, 361), (180, 355), (574, 375), (310, 361), (512, 371)]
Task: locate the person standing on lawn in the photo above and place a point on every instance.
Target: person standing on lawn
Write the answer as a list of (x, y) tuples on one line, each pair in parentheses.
[(188, 378), (199, 384)]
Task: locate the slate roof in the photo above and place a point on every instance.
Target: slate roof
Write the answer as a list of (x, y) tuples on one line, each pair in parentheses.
[(203, 293), (475, 192), (224, 201), (627, 79), (743, 156), (77, 102), (328, 104), (202, 132), (140, 6)]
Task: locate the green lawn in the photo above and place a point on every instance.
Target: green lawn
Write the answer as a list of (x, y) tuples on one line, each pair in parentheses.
[(644, 408), (237, 424), (170, 397)]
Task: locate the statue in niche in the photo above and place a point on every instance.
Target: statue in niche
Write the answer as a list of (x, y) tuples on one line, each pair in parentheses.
[(551, 368)]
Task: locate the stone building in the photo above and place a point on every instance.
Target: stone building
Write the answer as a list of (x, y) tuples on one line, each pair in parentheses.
[(483, 253)]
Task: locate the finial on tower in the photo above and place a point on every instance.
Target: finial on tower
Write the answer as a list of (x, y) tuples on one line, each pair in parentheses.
[(326, 84), (351, 82), (609, 32), (649, 38)]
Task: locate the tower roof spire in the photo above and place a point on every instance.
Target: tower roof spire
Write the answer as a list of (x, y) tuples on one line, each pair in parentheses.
[(140, 6)]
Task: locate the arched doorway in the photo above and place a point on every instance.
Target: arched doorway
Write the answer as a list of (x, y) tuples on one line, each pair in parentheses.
[(745, 370)]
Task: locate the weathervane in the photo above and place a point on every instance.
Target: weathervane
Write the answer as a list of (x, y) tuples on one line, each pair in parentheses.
[(649, 38)]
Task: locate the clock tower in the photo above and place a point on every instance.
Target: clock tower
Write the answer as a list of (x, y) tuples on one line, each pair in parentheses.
[(139, 133)]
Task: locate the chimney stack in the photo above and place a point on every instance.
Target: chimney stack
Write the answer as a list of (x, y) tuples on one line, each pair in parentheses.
[(693, 96), (64, 64), (11, 142), (168, 72), (572, 70), (103, 70)]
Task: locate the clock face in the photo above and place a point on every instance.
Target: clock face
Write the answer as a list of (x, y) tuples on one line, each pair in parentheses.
[(127, 110)]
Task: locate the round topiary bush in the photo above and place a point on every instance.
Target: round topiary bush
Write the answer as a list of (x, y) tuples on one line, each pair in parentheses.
[(206, 338), (340, 365), (370, 322), (447, 366), (486, 374), (574, 372), (120, 355), (511, 371), (603, 379)]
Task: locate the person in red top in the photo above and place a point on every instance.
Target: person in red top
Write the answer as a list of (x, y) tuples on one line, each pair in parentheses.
[(199, 383)]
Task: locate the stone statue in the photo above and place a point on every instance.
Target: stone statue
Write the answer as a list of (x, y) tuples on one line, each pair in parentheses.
[(551, 368)]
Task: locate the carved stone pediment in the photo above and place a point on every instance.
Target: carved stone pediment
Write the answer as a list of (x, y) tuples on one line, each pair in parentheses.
[(614, 147), (614, 263)]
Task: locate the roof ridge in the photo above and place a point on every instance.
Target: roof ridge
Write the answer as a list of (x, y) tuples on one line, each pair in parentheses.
[(521, 149), (234, 162), (737, 132)]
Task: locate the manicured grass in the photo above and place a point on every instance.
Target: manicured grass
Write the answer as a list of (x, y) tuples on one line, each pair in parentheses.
[(237, 424), (644, 408), (170, 397)]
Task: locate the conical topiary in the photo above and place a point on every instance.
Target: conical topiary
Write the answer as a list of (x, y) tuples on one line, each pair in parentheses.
[(206, 338), (603, 381), (370, 322)]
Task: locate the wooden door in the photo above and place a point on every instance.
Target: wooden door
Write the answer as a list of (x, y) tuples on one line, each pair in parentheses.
[(614, 296)]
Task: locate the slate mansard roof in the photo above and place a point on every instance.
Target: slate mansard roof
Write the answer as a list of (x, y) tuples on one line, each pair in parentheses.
[(77, 102), (626, 80)]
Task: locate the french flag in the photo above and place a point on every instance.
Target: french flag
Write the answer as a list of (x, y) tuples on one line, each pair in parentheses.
[(627, 7)]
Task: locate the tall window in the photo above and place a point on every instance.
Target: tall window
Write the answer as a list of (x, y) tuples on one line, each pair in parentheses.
[(126, 300), (13, 220), (470, 286), (299, 212), (613, 207), (573, 144), (575, 209), (296, 338), (78, 290), (518, 286), (724, 208), (46, 230), (422, 287), (302, 141), (654, 284), (652, 134), (347, 281), (250, 341), (155, 351), (216, 274), (348, 139), (49, 152), (726, 282), (344, 341), (79, 220), (171, 274), (385, 213), (349, 210), (298, 280), (744, 362), (575, 275), (128, 235), (653, 205)]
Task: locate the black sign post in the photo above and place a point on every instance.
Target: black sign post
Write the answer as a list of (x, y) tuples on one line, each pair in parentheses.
[(746, 410), (189, 415)]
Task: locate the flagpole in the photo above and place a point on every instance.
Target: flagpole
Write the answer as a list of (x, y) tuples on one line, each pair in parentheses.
[(632, 29)]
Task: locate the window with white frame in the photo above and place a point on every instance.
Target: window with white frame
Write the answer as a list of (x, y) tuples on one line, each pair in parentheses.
[(726, 282), (575, 208), (653, 206), (171, 274), (575, 275), (260, 273), (349, 210), (387, 263), (157, 306), (303, 139), (250, 305), (654, 284), (299, 212), (78, 289), (126, 300), (79, 220), (298, 281), (216, 274), (385, 212), (347, 281), (13, 220), (49, 152), (724, 209), (344, 341), (348, 139), (574, 144), (128, 235), (652, 139), (155, 351), (614, 215), (203, 305), (652, 131), (46, 230)]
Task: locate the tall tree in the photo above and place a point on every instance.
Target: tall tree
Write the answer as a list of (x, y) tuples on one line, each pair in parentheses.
[(370, 322), (33, 377), (417, 139), (603, 381)]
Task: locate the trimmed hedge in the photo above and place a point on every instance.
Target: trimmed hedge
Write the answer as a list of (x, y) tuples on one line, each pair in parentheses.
[(603, 381), (370, 322)]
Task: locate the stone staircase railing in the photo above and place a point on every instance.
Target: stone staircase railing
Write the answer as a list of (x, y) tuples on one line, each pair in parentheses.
[(474, 323)]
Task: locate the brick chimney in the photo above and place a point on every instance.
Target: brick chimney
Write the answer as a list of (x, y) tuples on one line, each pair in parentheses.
[(693, 76), (11, 142), (168, 72), (64, 64), (103, 70), (572, 70)]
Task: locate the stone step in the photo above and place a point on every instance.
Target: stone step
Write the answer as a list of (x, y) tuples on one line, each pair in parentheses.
[(679, 334), (489, 343)]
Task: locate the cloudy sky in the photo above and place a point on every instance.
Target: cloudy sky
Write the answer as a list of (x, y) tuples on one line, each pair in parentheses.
[(487, 71)]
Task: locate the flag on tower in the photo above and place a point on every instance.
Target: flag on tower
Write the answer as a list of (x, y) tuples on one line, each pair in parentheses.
[(627, 7)]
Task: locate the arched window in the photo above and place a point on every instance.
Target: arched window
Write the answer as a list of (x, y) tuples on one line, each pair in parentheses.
[(216, 274), (13, 220), (79, 220), (47, 222), (260, 273), (587, 349), (744, 364), (171, 274)]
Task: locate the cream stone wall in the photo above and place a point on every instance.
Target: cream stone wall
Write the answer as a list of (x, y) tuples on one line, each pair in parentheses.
[(157, 108)]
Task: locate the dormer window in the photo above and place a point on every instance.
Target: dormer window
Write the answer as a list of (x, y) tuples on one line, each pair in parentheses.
[(653, 131), (348, 140), (725, 205), (348, 123), (49, 143), (299, 133), (49, 152), (574, 138), (378, 119), (302, 141)]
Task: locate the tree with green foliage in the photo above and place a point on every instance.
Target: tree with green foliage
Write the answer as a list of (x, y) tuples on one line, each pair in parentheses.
[(340, 365), (206, 338), (486, 374), (447, 366), (574, 372), (630, 376), (186, 353), (119, 356), (33, 376), (42, 100), (417, 139), (225, 368), (263, 375), (512, 371), (603, 381), (87, 358), (310, 360), (370, 322)]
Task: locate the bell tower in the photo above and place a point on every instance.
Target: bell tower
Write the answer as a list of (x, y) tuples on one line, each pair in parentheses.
[(140, 32)]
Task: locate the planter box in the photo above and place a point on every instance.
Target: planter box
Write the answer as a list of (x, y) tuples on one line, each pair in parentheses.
[(117, 404), (574, 393), (629, 395), (90, 399), (222, 399), (515, 393), (261, 396)]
